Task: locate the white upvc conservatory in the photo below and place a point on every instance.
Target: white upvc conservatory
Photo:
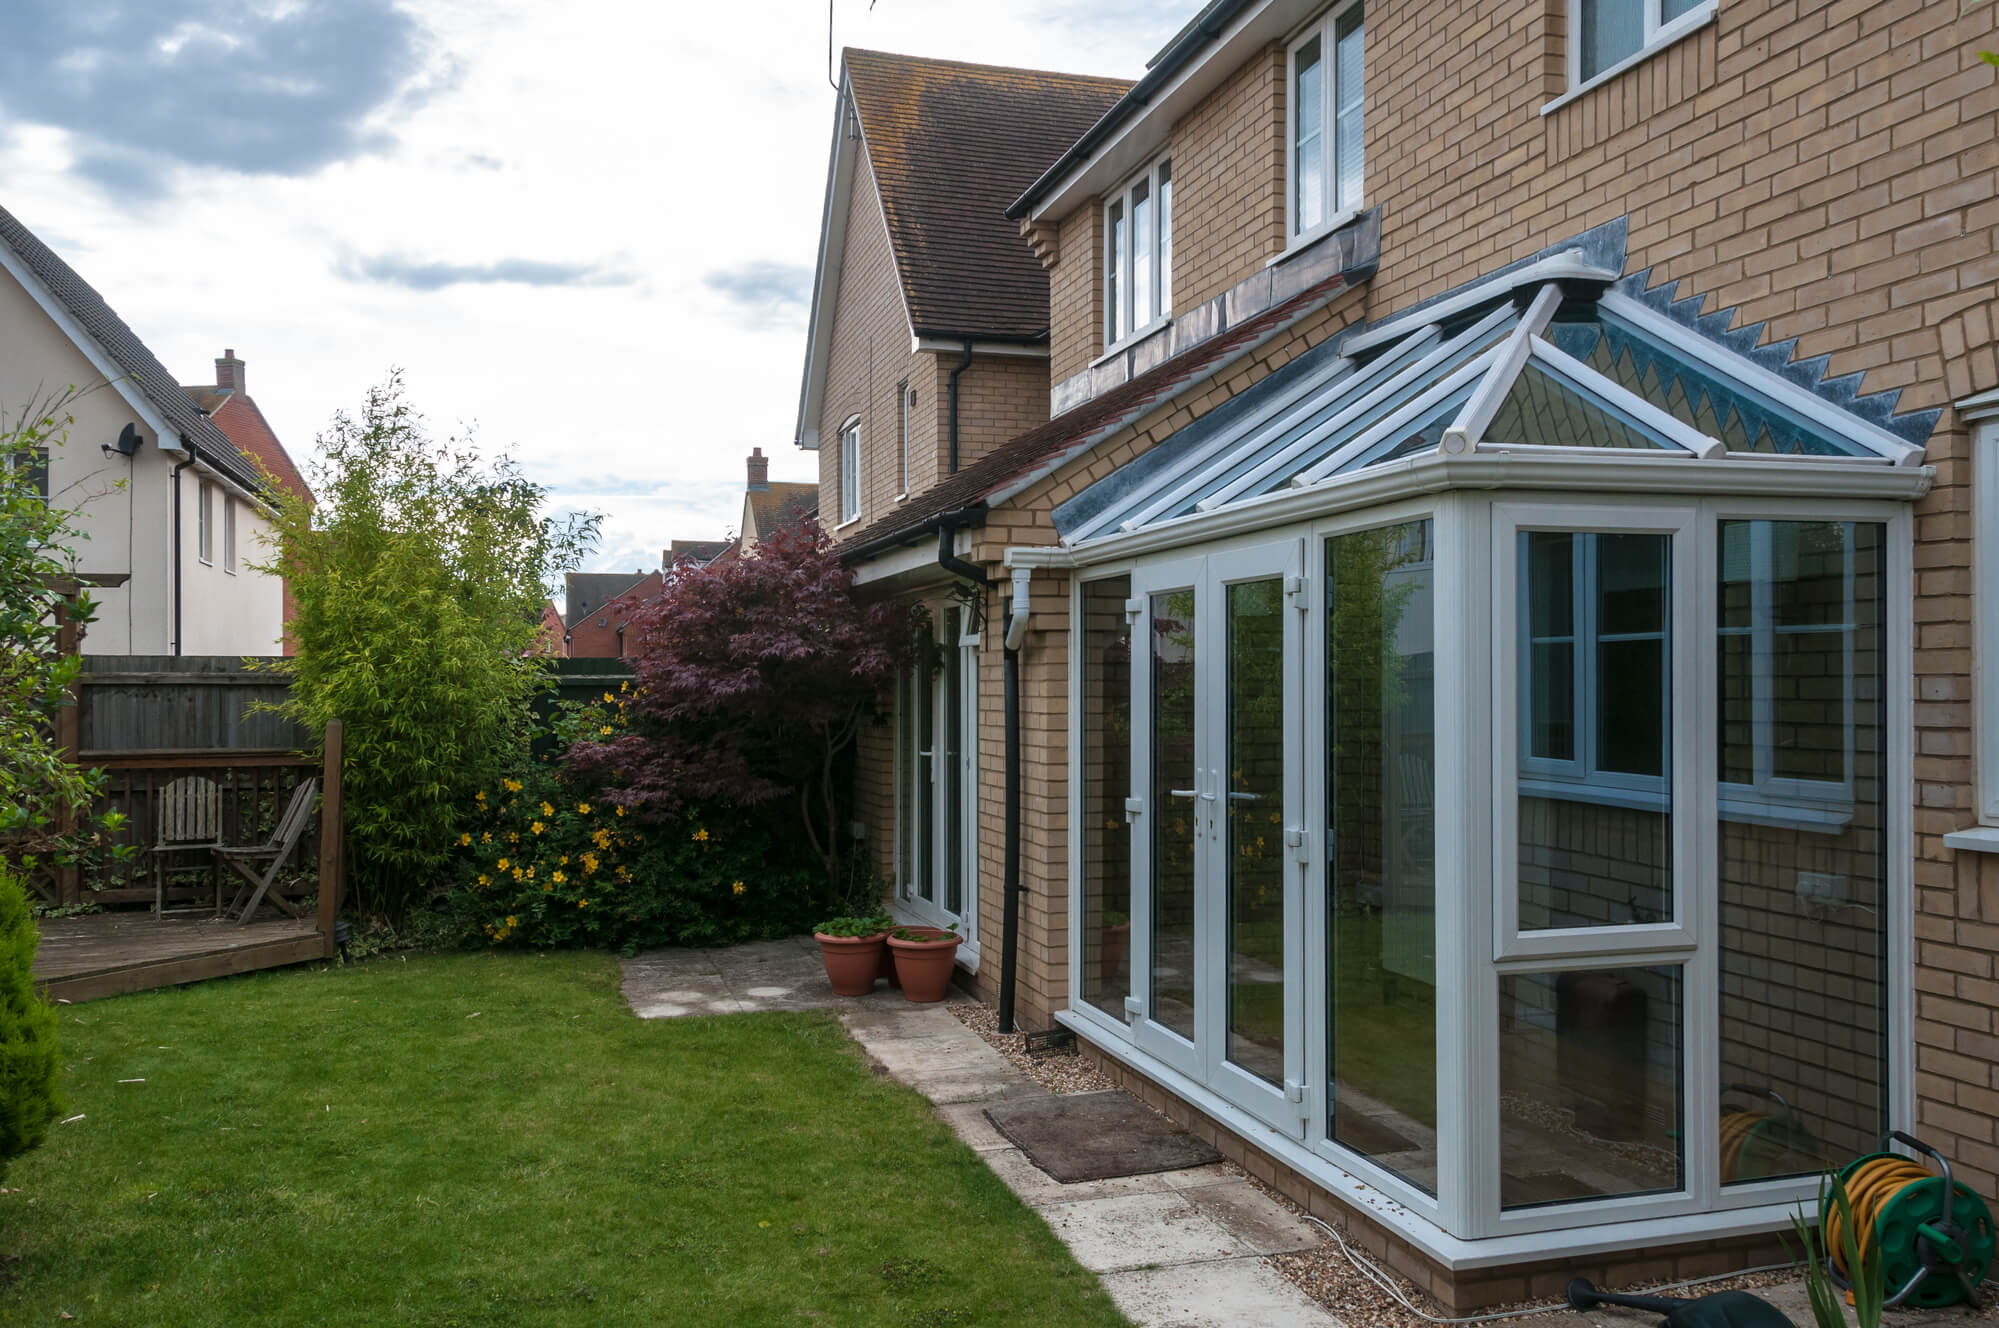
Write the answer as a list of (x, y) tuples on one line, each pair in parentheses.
[(1490, 769)]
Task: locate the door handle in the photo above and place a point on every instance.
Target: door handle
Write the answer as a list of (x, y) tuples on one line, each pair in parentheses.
[(1181, 793)]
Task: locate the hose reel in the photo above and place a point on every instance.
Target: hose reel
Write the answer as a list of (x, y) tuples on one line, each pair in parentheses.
[(1934, 1235), (1757, 1142)]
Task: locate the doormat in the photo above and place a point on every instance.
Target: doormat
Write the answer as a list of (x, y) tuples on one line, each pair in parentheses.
[(1095, 1136)]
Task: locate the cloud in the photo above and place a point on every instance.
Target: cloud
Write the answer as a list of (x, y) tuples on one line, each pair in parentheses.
[(392, 270), (147, 85), (764, 293)]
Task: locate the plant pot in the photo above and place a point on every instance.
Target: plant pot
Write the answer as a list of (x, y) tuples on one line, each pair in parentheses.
[(1112, 947), (925, 966), (852, 962)]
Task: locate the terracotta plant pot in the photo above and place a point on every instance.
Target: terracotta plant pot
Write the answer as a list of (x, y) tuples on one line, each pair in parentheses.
[(1112, 947), (852, 962), (925, 966)]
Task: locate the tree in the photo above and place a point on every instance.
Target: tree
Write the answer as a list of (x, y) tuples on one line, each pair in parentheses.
[(753, 678), (45, 802), (419, 578), (28, 1053)]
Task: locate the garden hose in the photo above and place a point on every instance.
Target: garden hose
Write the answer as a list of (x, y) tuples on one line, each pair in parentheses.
[(1756, 1143), (1933, 1236)]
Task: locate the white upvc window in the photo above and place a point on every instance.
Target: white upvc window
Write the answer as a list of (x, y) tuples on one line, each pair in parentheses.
[(229, 534), (1138, 255), (1981, 413), (1326, 110), (1604, 35), (850, 471), (908, 395), (205, 522)]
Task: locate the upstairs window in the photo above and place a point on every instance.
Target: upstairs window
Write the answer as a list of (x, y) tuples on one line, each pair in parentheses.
[(1610, 32), (1138, 255), (850, 471), (205, 522), (1327, 106), (908, 395), (229, 534)]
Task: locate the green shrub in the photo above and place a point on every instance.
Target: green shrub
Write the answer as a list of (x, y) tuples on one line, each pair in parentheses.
[(28, 1054), (551, 864)]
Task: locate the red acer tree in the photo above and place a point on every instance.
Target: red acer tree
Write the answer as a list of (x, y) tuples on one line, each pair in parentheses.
[(753, 678)]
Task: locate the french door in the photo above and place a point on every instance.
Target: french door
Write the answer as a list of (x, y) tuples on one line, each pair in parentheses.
[(1218, 863)]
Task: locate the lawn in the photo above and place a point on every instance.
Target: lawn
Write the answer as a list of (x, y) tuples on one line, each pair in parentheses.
[(479, 1140)]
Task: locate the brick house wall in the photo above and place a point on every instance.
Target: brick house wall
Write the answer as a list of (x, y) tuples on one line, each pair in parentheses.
[(1826, 169)]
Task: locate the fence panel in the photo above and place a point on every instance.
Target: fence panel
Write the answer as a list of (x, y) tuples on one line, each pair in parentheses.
[(154, 703)]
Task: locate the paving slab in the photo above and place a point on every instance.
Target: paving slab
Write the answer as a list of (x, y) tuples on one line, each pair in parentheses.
[(1228, 1293), (1036, 1187), (1254, 1218), (968, 1121), (1140, 1231)]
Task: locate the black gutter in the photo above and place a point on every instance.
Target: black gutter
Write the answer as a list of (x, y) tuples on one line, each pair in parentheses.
[(1196, 36), (187, 443), (948, 526), (1010, 923), (963, 365)]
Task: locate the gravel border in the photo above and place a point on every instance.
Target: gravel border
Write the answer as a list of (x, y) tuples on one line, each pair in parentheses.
[(1058, 1072)]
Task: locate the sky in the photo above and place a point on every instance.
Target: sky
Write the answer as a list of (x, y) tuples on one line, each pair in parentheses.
[(584, 230)]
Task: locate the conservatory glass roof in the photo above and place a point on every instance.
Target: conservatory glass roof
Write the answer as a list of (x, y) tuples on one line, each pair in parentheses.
[(1549, 374)]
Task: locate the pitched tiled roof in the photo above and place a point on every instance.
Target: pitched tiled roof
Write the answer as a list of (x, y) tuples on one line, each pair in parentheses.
[(135, 362), (782, 505), (246, 427), (951, 146), (700, 551), (586, 593), (1094, 419)]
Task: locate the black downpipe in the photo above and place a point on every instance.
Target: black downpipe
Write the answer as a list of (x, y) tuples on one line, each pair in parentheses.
[(187, 443), (948, 559), (1009, 946), (963, 365)]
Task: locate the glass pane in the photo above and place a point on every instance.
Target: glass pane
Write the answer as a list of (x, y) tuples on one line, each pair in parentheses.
[(1173, 720), (1804, 940), (926, 799), (1113, 270), (1596, 837), (1255, 843), (1672, 9), (1381, 837), (1611, 30), (1542, 410), (1548, 569), (1142, 272), (1632, 697), (907, 744), (1166, 238), (1348, 39), (1106, 835), (954, 769), (1590, 1085), (1308, 101)]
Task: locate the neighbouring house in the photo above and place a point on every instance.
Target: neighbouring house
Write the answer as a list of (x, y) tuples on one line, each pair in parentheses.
[(552, 638), (698, 553), (1492, 617), (598, 604), (769, 507), (173, 510), (229, 404)]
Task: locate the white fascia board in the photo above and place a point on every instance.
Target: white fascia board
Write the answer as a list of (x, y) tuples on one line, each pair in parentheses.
[(1567, 266), (1763, 381), (221, 480), (1983, 406), (1145, 135), (1635, 474), (166, 436), (826, 275), (1021, 350), (903, 561)]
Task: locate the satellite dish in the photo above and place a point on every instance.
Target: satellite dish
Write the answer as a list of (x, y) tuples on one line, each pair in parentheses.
[(128, 440)]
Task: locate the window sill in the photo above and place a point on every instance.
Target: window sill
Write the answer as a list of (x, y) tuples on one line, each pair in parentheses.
[(850, 521), (1679, 30), (1311, 238), (1978, 839)]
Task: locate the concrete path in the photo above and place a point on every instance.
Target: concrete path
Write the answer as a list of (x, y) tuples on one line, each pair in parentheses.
[(1179, 1249)]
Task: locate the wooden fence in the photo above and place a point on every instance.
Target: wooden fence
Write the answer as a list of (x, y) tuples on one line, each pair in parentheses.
[(128, 704)]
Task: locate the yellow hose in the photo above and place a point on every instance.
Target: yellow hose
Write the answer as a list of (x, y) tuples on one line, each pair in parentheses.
[(1870, 1188)]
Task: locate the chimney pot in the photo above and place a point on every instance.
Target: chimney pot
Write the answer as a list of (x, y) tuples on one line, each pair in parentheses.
[(759, 470), (229, 373)]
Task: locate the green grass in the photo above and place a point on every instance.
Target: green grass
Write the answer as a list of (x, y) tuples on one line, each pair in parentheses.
[(478, 1140)]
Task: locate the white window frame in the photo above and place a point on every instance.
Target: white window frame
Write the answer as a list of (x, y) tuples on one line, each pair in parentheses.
[(1659, 34), (204, 522), (229, 534), (908, 403), (1981, 413), (1332, 214), (1120, 265), (908, 903), (850, 471)]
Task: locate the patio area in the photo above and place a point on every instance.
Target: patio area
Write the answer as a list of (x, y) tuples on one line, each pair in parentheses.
[(112, 954)]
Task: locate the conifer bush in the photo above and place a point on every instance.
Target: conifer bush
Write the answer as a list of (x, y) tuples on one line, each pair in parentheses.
[(28, 1054)]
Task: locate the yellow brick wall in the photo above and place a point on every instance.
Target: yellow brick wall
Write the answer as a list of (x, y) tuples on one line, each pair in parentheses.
[(1228, 182)]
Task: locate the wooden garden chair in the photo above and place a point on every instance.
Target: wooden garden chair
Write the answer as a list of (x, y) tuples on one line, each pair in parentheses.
[(275, 852), (187, 818)]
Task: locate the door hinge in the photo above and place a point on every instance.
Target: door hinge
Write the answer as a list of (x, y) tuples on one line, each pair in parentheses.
[(1294, 590), (1300, 845), (1134, 808), (1132, 608), (1294, 1092), (1133, 1007)]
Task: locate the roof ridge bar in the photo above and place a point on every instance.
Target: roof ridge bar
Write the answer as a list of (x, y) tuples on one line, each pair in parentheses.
[(1438, 392), (1468, 430), (1588, 381), (1260, 433), (1779, 390), (1224, 438), (1569, 265), (1289, 455)]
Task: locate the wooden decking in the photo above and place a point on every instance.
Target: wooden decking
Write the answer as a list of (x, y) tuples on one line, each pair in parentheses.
[(110, 954)]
